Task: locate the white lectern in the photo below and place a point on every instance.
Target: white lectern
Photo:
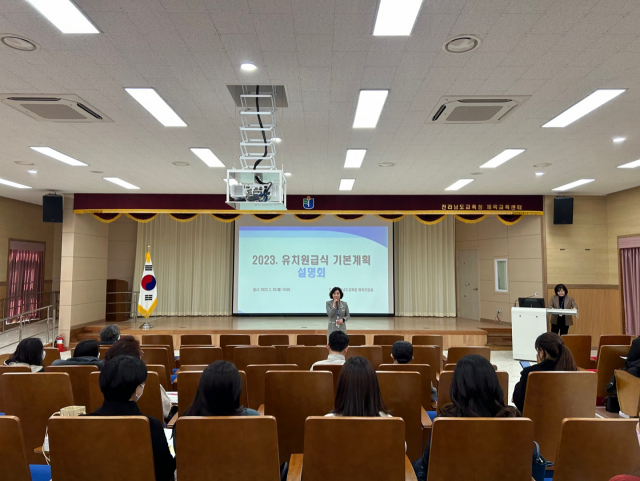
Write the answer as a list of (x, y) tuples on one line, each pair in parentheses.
[(527, 323)]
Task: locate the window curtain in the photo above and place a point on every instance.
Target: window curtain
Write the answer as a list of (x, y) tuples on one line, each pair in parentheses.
[(24, 284), (425, 268), (192, 262), (630, 260)]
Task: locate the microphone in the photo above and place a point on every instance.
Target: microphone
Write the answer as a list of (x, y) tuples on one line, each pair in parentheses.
[(535, 294)]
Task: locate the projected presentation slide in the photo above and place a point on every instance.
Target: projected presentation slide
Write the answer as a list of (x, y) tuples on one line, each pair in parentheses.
[(290, 269)]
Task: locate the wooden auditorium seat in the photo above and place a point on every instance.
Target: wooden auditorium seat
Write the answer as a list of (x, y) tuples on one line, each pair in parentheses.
[(425, 378), (580, 347), (454, 354), (52, 354), (281, 353), (79, 377), (235, 339), (228, 350), (386, 339), (444, 388), (596, 449), (452, 367), (431, 355), (104, 350), (372, 353), (196, 340), (609, 359), (13, 456), (86, 447), (386, 353), (199, 354), (158, 340), (188, 387), (291, 397), (33, 398), (402, 395), (159, 355), (162, 375), (628, 389), (4, 369), (255, 381), (4, 357), (357, 340), (305, 356), (245, 355), (380, 457), (428, 340), (227, 448), (553, 396), (481, 449), (611, 340), (192, 367), (311, 340), (335, 370), (273, 339)]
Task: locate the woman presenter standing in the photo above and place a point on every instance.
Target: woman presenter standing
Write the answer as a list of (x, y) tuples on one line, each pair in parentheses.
[(338, 311), (560, 324)]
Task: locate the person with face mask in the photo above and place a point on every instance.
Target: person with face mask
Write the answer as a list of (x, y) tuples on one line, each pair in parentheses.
[(338, 311), (30, 352), (122, 384)]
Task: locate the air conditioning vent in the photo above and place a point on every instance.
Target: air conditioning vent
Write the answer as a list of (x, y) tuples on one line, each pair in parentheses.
[(475, 109), (279, 93), (55, 108)]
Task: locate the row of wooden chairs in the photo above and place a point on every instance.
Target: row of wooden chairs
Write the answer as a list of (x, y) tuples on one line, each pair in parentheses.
[(580, 347)]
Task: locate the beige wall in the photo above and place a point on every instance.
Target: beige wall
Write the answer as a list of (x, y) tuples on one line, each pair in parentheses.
[(123, 234), (623, 219), (520, 244)]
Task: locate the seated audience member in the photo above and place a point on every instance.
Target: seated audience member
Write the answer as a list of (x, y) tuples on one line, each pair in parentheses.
[(475, 393), (86, 353), (122, 384), (337, 347), (632, 363), (552, 355), (30, 353), (402, 353), (130, 346), (109, 335)]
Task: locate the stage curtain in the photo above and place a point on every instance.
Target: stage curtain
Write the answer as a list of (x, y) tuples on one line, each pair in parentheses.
[(425, 268), (193, 263)]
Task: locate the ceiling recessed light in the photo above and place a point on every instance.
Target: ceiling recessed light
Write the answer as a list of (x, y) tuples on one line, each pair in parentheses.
[(539, 174), (354, 158), (157, 107), (541, 166), (619, 140), (64, 15), (370, 104), (572, 185), (630, 165), (248, 67), (231, 181), (14, 184), (207, 156), (180, 164), (277, 139), (501, 158), (386, 164), (461, 44), (19, 43), (346, 184), (24, 162), (32, 171), (54, 154), (459, 184), (288, 174), (97, 172), (585, 106), (121, 183), (396, 17)]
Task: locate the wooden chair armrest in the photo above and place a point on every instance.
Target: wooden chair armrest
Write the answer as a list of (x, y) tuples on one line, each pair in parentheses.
[(172, 422), (424, 418), (409, 473), (437, 377), (261, 409), (295, 468)]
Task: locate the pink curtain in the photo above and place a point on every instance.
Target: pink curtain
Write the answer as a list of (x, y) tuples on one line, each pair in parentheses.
[(24, 284), (630, 260)]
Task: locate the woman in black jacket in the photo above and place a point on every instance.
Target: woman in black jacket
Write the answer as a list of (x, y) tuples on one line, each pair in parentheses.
[(552, 355), (86, 353)]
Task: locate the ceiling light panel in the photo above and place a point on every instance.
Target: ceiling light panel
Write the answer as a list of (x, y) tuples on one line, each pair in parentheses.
[(501, 158), (619, 140), (630, 165), (208, 157), (585, 106), (14, 184), (54, 154), (121, 183), (157, 107), (346, 184), (573, 185), (396, 17), (459, 184), (64, 15), (354, 158), (370, 104)]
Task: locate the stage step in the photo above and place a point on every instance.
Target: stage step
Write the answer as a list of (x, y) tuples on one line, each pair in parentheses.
[(499, 337)]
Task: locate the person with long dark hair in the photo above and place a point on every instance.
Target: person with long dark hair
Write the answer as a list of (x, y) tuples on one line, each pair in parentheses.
[(29, 352), (552, 355), (358, 392), (561, 300), (475, 393), (86, 353), (337, 311)]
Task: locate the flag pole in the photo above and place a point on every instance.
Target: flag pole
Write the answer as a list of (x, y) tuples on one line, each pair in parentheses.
[(146, 325)]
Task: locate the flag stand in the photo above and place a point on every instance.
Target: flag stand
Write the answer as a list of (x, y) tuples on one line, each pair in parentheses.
[(146, 326)]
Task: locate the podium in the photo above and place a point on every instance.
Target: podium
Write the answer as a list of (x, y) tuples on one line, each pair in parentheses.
[(527, 324)]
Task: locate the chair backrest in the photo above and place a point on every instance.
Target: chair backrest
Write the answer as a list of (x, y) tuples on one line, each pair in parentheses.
[(188, 387), (51, 354), (372, 353), (255, 380), (444, 387), (159, 355), (196, 340), (245, 355), (553, 396), (335, 369), (614, 340), (4, 369), (454, 354), (104, 350), (474, 448), (224, 448), (381, 456), (431, 355), (273, 339), (228, 350), (13, 458), (34, 398), (387, 339), (425, 378), (125, 438), (609, 359), (386, 353), (311, 340), (159, 340), (281, 353), (200, 354), (595, 449), (305, 356), (452, 367), (79, 377), (4, 357), (428, 340), (357, 339), (162, 375), (235, 339), (580, 347), (292, 396), (192, 367), (628, 390), (402, 395)]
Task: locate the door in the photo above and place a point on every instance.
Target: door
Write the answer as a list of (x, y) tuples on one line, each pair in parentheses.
[(468, 306)]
